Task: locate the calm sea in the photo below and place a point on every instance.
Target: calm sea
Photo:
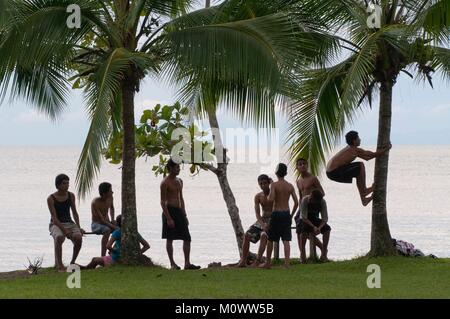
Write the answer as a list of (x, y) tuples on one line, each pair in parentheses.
[(418, 206)]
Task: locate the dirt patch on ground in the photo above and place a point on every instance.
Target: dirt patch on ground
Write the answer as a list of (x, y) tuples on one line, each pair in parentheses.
[(14, 274)]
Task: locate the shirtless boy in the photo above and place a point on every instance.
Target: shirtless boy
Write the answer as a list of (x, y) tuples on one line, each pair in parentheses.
[(342, 169), (258, 231), (100, 207), (280, 222), (174, 218), (306, 184)]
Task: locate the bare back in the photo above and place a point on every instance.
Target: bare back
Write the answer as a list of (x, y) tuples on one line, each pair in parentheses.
[(171, 189), (282, 193), (102, 207), (343, 157)]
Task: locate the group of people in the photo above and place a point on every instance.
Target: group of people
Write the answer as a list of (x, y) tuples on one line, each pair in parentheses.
[(62, 226), (312, 218), (272, 209), (275, 221)]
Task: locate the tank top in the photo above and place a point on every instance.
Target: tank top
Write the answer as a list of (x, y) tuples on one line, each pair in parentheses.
[(63, 209)]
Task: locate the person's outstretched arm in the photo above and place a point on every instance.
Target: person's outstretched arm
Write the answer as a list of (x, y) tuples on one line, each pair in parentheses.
[(112, 210), (368, 155), (318, 186), (76, 217), (304, 211), (182, 200), (323, 213), (271, 196), (99, 215), (170, 221), (144, 243), (258, 211), (294, 197), (110, 244)]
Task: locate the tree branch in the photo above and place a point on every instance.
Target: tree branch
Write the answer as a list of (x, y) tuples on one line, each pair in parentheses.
[(209, 167)]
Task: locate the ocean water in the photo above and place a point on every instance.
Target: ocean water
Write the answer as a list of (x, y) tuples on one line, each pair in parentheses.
[(418, 206)]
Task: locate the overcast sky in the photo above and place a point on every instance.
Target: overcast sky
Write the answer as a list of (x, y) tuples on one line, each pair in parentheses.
[(421, 115)]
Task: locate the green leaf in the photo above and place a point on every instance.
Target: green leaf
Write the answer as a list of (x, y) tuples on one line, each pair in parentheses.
[(146, 115)]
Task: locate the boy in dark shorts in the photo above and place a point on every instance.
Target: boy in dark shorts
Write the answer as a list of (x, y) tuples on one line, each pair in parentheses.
[(280, 222), (174, 219), (100, 207), (342, 169), (258, 231), (311, 206)]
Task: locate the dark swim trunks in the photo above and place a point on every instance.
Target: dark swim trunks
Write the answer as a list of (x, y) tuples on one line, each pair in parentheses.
[(302, 227), (280, 226), (345, 173), (181, 229)]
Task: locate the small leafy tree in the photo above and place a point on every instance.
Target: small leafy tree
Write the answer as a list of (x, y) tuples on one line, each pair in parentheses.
[(164, 131)]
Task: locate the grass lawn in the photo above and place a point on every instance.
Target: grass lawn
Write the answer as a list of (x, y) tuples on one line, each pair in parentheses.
[(401, 277)]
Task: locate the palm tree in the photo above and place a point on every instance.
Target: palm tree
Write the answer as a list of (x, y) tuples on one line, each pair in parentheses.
[(205, 91), (122, 41), (413, 36)]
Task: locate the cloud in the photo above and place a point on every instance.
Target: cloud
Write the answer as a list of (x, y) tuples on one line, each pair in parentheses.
[(31, 117), (147, 104), (75, 116), (441, 109), (35, 117)]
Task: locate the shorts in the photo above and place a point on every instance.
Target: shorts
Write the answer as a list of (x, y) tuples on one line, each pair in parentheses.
[(181, 229), (100, 229), (345, 173), (280, 226), (302, 227), (254, 232), (55, 231), (107, 261)]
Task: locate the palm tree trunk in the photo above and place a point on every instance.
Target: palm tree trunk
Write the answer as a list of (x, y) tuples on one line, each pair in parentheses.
[(130, 242), (381, 242), (221, 174)]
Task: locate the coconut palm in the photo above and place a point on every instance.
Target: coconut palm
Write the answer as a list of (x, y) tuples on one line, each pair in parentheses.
[(118, 44), (412, 37), (205, 91)]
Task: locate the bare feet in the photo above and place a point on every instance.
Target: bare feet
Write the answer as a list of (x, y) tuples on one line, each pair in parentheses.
[(369, 190), (255, 264), (62, 269), (191, 267), (365, 201), (323, 256), (266, 265), (175, 267), (242, 264)]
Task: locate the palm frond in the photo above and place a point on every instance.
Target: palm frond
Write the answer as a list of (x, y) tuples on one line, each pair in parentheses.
[(433, 18), (243, 60), (38, 28), (319, 115), (441, 62), (104, 107), (168, 8)]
